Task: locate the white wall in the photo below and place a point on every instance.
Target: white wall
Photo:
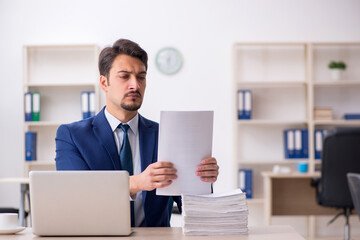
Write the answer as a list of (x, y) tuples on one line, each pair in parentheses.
[(203, 30)]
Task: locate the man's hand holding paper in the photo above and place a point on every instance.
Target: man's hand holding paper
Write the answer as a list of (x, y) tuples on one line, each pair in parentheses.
[(156, 175), (208, 170)]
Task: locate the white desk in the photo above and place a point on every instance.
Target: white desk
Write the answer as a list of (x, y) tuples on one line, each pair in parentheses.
[(24, 192), (255, 233)]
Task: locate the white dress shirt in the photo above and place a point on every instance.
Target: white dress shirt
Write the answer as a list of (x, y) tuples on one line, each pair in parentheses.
[(133, 135)]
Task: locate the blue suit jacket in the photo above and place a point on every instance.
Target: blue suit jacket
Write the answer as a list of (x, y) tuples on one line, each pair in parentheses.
[(90, 145)]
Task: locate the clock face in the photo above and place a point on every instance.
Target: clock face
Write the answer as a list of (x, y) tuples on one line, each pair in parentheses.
[(168, 60)]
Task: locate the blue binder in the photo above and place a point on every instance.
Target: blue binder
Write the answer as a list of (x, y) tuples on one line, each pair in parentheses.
[(28, 106), (298, 143), (289, 143), (247, 104), (305, 143), (244, 104), (30, 146), (240, 105), (91, 104), (245, 181), (85, 104), (319, 135), (352, 116)]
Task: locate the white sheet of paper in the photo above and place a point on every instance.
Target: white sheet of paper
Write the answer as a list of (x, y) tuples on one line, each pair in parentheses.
[(185, 138)]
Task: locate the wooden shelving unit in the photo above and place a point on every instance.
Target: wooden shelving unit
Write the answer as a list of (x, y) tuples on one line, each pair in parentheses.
[(60, 73), (287, 81)]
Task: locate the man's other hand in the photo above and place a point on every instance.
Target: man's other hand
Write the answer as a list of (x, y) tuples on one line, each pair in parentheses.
[(156, 175), (208, 170)]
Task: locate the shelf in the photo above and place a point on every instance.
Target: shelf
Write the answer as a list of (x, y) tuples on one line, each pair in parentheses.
[(337, 123), (273, 162), (271, 122), (240, 46), (38, 166), (291, 175), (337, 83), (40, 163), (336, 44), (45, 123), (266, 84), (70, 85), (324, 53), (335, 238), (268, 104), (66, 46), (53, 64), (265, 62)]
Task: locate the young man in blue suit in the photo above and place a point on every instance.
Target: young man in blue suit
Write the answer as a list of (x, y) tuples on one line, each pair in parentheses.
[(97, 143)]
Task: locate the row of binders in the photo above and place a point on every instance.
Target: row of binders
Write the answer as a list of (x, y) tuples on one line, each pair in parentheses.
[(32, 106), (244, 108), (296, 143), (30, 146), (215, 214), (87, 104)]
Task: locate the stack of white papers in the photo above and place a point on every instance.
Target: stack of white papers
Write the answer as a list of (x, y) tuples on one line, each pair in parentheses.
[(215, 214)]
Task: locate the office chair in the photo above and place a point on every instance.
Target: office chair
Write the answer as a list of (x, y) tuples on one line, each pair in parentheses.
[(354, 186), (341, 155)]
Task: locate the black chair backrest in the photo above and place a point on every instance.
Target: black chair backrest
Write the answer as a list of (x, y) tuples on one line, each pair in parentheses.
[(341, 155), (354, 186)]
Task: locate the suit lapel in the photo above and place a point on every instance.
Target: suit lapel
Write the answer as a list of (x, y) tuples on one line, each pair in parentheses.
[(105, 136)]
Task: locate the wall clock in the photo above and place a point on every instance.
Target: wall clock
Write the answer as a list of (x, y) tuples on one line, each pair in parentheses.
[(169, 60)]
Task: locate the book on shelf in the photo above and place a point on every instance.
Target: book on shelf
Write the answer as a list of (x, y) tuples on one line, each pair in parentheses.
[(244, 104), (319, 135), (246, 181), (30, 145), (87, 104), (32, 106), (323, 113), (352, 116), (296, 143)]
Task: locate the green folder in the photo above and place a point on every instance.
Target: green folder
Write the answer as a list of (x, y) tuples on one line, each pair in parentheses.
[(36, 106)]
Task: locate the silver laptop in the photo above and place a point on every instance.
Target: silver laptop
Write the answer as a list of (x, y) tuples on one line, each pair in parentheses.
[(80, 203)]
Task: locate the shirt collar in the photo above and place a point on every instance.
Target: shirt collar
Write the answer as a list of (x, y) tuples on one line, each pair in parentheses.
[(114, 122)]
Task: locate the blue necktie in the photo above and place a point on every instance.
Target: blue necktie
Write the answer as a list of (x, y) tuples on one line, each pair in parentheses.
[(126, 162), (125, 151)]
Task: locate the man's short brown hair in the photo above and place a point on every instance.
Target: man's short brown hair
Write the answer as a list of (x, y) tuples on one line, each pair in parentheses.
[(121, 46)]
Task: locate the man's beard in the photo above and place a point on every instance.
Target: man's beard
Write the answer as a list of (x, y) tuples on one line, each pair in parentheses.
[(132, 106)]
